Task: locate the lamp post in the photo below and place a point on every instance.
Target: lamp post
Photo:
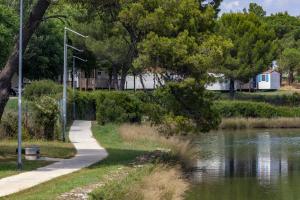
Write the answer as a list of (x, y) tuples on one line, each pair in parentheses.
[(65, 76), (74, 86), (20, 88)]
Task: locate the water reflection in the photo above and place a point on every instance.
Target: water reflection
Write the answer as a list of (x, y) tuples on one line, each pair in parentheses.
[(267, 157)]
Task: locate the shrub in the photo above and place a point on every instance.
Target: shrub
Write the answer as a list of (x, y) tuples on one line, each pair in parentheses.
[(46, 115), (85, 106), (188, 103), (40, 88), (9, 124), (118, 107), (254, 110)]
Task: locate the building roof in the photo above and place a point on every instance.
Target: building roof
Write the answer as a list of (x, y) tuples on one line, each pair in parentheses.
[(270, 71)]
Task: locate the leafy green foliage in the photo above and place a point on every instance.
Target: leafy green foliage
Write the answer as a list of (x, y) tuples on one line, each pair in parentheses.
[(283, 24), (189, 104), (287, 32), (250, 109), (85, 106), (8, 27), (9, 124), (257, 10), (254, 45), (290, 62), (46, 115), (38, 89), (44, 55), (118, 107), (276, 99)]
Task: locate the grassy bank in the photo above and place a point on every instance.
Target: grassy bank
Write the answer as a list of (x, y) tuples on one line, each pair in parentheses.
[(248, 123), (153, 181), (122, 153), (8, 155)]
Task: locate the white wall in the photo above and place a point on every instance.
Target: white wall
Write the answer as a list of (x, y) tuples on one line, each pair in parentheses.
[(264, 85), (150, 82), (218, 86), (275, 81), (272, 84)]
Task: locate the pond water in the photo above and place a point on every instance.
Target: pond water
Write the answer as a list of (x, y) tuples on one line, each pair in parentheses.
[(248, 165)]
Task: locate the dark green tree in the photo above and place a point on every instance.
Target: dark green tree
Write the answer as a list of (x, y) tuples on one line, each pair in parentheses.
[(43, 58), (287, 29), (254, 46), (8, 28), (289, 62), (257, 10)]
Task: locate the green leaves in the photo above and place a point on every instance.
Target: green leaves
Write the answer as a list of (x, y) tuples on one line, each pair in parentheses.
[(182, 55), (253, 45), (8, 27)]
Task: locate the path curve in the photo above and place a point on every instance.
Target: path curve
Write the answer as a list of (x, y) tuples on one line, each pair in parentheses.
[(88, 153)]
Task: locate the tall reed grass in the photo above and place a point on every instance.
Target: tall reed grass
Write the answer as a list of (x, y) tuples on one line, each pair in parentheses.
[(162, 183), (183, 150)]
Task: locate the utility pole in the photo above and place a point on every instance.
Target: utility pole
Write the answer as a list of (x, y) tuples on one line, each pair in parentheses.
[(74, 86), (20, 88), (65, 76)]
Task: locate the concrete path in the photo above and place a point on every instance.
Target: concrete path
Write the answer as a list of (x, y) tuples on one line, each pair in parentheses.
[(88, 153)]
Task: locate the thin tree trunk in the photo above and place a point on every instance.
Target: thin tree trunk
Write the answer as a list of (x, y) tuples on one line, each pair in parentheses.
[(123, 77), (134, 82), (159, 81), (115, 78), (110, 81), (11, 66), (231, 88), (291, 77), (142, 81)]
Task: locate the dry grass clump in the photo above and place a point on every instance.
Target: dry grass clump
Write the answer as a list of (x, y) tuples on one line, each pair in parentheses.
[(184, 150), (163, 183), (244, 123)]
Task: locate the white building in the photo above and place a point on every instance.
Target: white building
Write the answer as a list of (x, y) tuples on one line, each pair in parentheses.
[(269, 80), (221, 83), (149, 80)]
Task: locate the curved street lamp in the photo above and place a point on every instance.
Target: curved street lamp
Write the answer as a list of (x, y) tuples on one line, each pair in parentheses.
[(65, 76)]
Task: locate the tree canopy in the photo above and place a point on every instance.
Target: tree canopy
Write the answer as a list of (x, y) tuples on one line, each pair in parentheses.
[(8, 28), (254, 45)]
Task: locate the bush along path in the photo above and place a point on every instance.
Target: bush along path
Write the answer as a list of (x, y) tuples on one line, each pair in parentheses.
[(88, 153)]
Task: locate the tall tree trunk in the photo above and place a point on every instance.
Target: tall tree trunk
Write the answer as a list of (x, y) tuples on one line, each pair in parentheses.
[(110, 81), (11, 66), (231, 88), (134, 82), (291, 77), (159, 80), (142, 81), (123, 77), (115, 78)]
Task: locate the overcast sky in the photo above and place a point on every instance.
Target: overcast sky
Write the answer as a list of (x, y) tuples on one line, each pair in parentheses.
[(271, 6)]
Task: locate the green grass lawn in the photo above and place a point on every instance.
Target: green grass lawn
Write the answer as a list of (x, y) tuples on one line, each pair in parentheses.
[(120, 155), (8, 155)]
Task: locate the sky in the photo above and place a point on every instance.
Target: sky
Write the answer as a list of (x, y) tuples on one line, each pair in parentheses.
[(271, 6)]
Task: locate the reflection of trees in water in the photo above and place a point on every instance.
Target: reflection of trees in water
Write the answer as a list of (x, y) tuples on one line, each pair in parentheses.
[(233, 158)]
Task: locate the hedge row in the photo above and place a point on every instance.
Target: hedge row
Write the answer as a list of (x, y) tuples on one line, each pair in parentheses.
[(274, 99), (108, 107), (254, 110), (103, 106)]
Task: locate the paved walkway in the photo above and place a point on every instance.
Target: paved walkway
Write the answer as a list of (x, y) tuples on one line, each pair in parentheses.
[(88, 153)]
